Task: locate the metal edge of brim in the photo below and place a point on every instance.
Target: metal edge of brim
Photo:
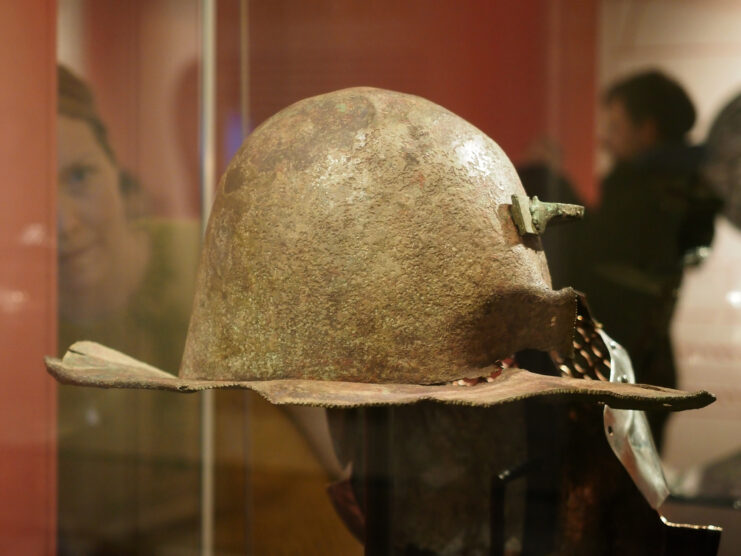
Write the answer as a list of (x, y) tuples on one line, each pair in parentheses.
[(82, 369)]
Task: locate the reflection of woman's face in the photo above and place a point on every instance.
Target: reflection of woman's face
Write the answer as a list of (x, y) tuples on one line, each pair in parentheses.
[(91, 211), (99, 255)]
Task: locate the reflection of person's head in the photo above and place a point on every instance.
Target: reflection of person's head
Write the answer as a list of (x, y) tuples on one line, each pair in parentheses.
[(644, 111), (101, 256)]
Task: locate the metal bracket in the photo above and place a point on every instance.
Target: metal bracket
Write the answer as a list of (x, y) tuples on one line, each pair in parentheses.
[(531, 216)]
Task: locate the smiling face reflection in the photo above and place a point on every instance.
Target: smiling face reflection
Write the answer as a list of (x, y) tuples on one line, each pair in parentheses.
[(101, 258)]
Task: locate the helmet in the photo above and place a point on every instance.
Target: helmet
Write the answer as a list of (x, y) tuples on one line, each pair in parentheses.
[(368, 247), (364, 238)]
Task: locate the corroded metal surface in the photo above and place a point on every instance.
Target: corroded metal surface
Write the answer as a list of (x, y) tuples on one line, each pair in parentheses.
[(590, 358), (90, 364), (365, 235), (361, 251)]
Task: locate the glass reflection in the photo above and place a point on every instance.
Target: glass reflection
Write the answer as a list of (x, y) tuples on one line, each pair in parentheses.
[(102, 254), (128, 461)]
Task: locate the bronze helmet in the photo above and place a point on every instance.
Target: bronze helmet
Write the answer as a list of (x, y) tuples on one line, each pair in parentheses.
[(364, 238), (368, 247)]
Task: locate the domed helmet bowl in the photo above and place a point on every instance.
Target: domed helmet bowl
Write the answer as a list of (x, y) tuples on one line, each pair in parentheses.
[(370, 248)]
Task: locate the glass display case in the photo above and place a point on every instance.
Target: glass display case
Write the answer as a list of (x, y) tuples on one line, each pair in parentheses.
[(122, 117)]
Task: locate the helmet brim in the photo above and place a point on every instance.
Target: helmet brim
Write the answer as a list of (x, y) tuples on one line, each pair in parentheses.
[(91, 364)]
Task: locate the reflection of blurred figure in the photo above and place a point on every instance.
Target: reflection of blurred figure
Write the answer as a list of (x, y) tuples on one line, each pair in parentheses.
[(127, 280), (655, 217)]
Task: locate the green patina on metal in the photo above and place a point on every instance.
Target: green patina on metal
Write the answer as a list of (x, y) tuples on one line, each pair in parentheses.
[(531, 216)]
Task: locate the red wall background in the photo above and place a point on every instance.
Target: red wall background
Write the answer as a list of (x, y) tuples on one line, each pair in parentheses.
[(141, 59), (27, 276)]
